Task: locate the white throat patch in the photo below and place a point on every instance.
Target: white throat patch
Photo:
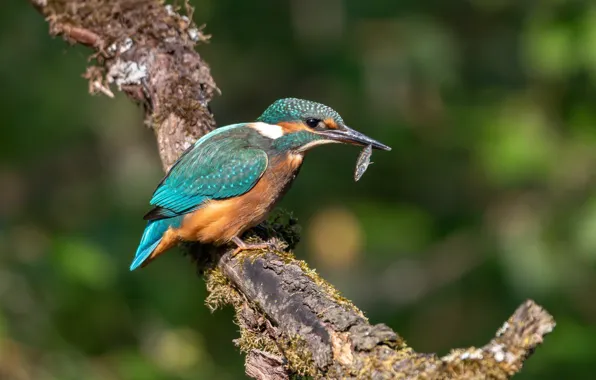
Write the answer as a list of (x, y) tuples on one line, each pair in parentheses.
[(312, 144), (271, 131)]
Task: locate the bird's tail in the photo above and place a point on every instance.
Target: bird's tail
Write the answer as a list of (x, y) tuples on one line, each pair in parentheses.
[(152, 237)]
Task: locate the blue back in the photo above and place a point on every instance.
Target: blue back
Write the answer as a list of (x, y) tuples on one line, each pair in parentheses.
[(223, 164)]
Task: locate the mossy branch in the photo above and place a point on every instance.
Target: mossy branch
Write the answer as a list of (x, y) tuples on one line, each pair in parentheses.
[(292, 322)]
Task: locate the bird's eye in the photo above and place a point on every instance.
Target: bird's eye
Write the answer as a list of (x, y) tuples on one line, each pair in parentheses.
[(313, 123)]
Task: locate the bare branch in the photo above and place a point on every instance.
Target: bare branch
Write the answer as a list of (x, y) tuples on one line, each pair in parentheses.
[(262, 365), (291, 321)]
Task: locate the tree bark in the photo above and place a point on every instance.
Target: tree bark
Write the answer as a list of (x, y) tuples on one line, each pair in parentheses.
[(291, 321)]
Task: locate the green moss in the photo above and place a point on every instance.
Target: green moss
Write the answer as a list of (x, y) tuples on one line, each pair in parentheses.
[(299, 357), (386, 364), (255, 340), (221, 292)]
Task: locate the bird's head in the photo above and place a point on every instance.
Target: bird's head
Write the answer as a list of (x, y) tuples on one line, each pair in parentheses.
[(305, 124)]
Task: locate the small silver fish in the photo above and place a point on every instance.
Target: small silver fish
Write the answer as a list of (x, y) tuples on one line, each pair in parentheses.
[(363, 162)]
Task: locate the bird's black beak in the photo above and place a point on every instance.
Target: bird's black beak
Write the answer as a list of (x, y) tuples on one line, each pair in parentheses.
[(347, 135)]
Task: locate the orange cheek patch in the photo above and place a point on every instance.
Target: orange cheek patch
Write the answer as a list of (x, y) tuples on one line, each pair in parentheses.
[(291, 127), (331, 124)]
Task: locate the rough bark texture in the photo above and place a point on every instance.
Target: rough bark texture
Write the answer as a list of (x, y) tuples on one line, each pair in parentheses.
[(291, 321)]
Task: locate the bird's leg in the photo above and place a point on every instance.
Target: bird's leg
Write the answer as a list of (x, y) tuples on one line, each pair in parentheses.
[(242, 246)]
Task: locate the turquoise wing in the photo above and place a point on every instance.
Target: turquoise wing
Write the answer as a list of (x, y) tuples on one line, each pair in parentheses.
[(221, 165)]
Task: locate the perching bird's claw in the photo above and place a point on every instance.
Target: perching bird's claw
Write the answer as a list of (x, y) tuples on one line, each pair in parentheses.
[(242, 246)]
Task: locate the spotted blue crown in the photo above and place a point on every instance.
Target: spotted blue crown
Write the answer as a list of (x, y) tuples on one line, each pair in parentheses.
[(293, 109)]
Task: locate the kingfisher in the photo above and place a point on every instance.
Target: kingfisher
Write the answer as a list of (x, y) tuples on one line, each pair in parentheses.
[(231, 178)]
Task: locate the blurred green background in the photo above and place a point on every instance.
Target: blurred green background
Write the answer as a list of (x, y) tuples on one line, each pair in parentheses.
[(487, 198)]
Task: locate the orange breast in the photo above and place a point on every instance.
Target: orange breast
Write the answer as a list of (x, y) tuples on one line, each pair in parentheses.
[(218, 221)]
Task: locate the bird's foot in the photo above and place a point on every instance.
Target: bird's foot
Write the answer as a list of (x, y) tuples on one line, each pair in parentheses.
[(242, 246)]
